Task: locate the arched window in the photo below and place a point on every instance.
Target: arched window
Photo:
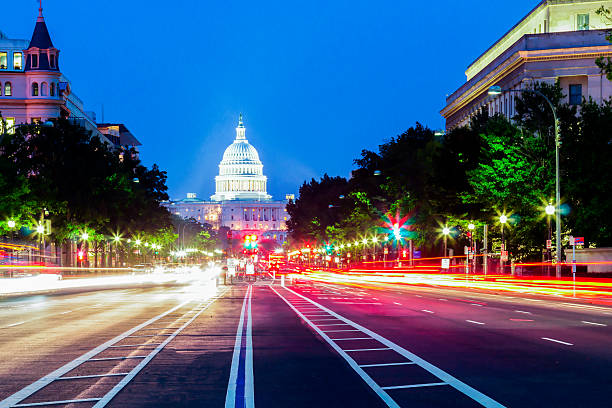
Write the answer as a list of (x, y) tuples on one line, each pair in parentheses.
[(8, 89), (43, 89), (52, 89), (35, 89)]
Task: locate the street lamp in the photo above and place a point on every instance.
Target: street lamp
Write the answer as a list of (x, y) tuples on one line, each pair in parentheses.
[(472, 227), (497, 90), (550, 210), (445, 232), (502, 220), (85, 236), (11, 224)]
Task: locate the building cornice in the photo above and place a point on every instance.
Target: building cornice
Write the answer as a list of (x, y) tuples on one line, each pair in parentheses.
[(517, 59)]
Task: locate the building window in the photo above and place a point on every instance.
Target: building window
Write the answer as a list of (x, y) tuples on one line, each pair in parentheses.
[(9, 125), (52, 60), (34, 60), (3, 60), (52, 89), (43, 89), (575, 94), (17, 60), (582, 22), (8, 89), (35, 89)]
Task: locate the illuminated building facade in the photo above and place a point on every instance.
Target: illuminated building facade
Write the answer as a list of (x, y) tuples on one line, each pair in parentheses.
[(558, 40), (241, 202), (33, 89)]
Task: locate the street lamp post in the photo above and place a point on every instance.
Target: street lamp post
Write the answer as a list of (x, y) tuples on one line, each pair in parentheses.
[(12, 224), (502, 220), (550, 210), (397, 233), (496, 90), (471, 227), (445, 232)]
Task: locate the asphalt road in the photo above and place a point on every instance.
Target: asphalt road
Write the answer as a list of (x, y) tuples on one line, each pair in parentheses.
[(308, 344)]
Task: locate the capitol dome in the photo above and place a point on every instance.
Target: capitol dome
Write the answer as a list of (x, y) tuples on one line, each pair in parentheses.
[(240, 171)]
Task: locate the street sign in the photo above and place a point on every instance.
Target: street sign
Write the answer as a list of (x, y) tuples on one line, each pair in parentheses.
[(578, 240), (445, 263), (549, 244), (466, 250), (386, 251), (571, 240), (504, 255)]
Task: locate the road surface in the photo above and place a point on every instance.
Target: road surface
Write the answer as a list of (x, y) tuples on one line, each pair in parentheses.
[(308, 344)]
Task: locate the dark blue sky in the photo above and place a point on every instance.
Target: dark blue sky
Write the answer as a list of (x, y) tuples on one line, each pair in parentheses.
[(317, 81)]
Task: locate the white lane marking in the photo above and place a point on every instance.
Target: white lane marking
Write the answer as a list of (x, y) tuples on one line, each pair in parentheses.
[(476, 304), (49, 378), (14, 324), (354, 338), (473, 321), (336, 331), (125, 381), (386, 364), (370, 349), (397, 387), (474, 394), (230, 396), (557, 341), (65, 402), (593, 323), (334, 324), (418, 295), (444, 300), (427, 311), (397, 303), (522, 311), (66, 312), (249, 385)]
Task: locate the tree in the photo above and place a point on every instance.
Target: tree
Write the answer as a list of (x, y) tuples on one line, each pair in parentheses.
[(317, 208)]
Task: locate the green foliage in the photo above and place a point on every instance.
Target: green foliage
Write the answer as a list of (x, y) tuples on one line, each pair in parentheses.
[(80, 182), (475, 174)]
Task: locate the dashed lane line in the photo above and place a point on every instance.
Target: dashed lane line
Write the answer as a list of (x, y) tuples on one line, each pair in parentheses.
[(427, 311), (593, 323), (557, 341), (446, 378), (474, 321)]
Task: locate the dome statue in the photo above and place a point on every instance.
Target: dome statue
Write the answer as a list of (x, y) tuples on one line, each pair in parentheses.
[(241, 172)]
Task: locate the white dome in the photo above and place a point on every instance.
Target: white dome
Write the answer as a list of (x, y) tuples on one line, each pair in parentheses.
[(240, 172), (240, 152)]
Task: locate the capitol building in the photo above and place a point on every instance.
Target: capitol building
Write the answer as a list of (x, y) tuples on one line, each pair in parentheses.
[(241, 202)]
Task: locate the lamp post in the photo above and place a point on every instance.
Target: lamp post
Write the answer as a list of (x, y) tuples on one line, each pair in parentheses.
[(550, 210), (445, 232), (502, 220), (471, 227), (497, 90), (397, 234), (116, 241)]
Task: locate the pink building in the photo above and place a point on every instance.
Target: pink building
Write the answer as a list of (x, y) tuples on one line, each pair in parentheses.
[(33, 89)]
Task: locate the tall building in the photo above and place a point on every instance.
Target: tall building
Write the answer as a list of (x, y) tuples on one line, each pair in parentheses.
[(33, 88), (241, 202), (557, 40)]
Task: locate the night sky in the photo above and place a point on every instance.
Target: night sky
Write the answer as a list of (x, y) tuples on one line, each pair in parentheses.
[(317, 81)]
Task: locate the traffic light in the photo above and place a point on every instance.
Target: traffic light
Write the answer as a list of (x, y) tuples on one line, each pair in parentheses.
[(81, 255), (250, 241)]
